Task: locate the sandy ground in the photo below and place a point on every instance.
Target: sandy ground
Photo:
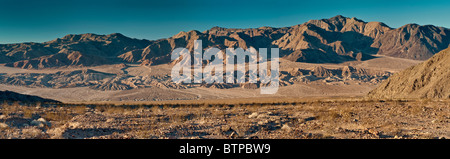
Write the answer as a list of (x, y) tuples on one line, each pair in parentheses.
[(85, 94), (380, 62)]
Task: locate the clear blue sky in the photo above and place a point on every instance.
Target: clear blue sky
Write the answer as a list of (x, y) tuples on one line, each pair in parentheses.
[(44, 20)]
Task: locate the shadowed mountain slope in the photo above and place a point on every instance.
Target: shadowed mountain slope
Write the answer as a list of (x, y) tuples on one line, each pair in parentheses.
[(13, 96)]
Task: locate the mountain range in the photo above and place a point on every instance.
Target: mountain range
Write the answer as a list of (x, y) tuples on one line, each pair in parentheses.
[(334, 40)]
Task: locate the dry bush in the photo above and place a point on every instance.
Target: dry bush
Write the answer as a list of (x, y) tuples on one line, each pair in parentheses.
[(182, 116), (33, 133), (416, 109), (58, 115), (115, 110), (9, 109), (112, 109), (28, 112), (156, 109), (79, 109), (329, 115)]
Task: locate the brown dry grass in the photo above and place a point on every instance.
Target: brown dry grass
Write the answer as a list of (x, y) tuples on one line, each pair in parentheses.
[(323, 118)]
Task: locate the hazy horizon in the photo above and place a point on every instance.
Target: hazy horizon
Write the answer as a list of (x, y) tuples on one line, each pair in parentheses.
[(30, 21)]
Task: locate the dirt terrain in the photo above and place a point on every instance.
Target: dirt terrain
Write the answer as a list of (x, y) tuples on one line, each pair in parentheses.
[(333, 118), (152, 83), (139, 101)]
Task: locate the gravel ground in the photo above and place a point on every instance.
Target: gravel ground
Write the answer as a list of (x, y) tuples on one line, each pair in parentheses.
[(334, 119)]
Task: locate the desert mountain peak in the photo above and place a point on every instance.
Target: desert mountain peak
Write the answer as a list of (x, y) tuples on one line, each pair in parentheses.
[(333, 40)]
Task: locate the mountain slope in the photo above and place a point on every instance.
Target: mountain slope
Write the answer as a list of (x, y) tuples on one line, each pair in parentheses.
[(222, 38), (430, 79), (13, 96), (413, 41), (71, 50), (334, 40)]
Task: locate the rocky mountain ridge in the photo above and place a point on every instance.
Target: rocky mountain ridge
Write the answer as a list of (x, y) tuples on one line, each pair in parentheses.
[(334, 40)]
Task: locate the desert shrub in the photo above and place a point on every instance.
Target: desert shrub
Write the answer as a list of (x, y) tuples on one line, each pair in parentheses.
[(58, 115)]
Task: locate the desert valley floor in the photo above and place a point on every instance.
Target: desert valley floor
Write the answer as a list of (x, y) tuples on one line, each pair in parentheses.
[(327, 85)]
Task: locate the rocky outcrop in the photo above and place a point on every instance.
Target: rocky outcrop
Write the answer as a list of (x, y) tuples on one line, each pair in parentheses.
[(87, 78), (327, 75), (123, 81)]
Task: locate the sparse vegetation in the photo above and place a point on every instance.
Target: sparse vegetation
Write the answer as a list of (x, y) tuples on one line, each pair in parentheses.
[(311, 119)]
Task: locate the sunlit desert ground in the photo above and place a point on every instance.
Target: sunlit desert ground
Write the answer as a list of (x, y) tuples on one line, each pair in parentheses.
[(330, 118)]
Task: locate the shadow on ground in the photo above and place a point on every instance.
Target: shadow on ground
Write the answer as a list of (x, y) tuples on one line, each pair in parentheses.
[(88, 132)]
